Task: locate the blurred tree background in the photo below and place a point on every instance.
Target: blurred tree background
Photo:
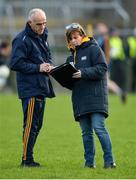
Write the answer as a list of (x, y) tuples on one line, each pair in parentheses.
[(115, 13)]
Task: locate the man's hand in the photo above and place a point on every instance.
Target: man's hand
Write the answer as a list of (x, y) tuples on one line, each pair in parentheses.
[(45, 67), (77, 74)]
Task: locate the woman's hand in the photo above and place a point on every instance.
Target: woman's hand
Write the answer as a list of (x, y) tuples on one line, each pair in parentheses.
[(77, 74)]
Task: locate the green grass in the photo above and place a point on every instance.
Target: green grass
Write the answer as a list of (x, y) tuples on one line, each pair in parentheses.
[(59, 146)]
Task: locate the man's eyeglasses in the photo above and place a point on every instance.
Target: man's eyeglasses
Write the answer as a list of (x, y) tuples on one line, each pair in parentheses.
[(41, 24)]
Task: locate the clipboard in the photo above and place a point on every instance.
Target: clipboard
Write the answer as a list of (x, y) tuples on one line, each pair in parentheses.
[(63, 75)]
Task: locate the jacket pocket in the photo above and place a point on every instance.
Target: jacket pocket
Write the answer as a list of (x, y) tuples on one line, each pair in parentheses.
[(43, 82)]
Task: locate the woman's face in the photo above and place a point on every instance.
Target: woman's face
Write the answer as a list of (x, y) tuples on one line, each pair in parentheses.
[(75, 39)]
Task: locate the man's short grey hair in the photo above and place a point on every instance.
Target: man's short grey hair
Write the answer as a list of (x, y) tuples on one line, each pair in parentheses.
[(33, 12)]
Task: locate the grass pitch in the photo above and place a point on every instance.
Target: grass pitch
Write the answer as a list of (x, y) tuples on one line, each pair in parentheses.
[(59, 146)]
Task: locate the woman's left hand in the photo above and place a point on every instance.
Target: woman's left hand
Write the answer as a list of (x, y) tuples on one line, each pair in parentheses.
[(77, 74)]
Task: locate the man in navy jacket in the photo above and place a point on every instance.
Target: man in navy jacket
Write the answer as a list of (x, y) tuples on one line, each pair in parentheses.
[(31, 59)]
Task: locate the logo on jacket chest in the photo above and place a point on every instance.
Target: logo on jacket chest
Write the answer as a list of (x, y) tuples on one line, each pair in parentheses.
[(83, 58)]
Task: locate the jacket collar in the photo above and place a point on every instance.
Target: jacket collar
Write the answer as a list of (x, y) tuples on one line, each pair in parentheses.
[(85, 39)]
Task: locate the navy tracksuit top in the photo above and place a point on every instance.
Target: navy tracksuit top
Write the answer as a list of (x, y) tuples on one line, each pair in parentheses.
[(29, 50)]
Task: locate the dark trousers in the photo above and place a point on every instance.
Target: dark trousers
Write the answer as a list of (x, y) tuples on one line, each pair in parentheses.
[(133, 88), (33, 109), (119, 73)]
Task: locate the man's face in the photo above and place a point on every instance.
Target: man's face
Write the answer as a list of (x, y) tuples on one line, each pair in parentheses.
[(75, 39), (38, 23)]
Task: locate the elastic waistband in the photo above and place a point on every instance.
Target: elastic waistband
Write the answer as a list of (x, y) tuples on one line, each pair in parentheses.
[(40, 97)]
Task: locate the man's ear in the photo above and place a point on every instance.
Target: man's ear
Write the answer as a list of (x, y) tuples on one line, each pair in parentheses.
[(29, 22)]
